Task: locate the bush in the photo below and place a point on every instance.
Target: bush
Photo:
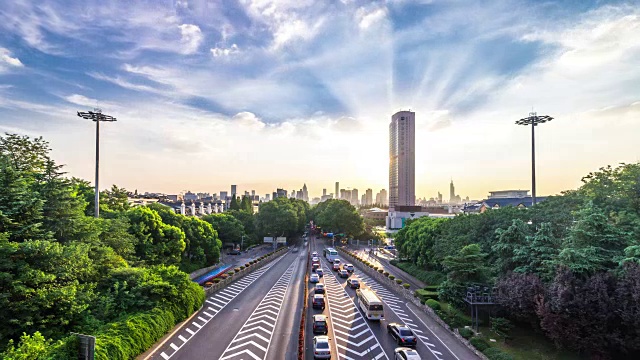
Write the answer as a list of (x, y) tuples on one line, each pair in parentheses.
[(433, 304), (466, 333), (386, 274), (216, 280), (406, 286), (236, 269), (479, 343), (496, 354), (208, 283), (380, 271), (398, 281), (230, 272), (428, 277), (391, 277), (425, 295)]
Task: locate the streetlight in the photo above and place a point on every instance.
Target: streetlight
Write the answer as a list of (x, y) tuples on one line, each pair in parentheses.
[(533, 120), (97, 116)]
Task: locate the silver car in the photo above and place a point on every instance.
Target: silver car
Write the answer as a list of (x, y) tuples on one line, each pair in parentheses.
[(405, 353), (321, 347)]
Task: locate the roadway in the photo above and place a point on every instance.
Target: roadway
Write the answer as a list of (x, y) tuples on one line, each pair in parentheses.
[(354, 337), (249, 319)]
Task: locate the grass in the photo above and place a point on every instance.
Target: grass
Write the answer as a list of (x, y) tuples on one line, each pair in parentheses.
[(427, 277), (525, 344)]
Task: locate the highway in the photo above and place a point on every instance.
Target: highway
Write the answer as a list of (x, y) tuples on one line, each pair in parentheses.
[(354, 337), (249, 319)]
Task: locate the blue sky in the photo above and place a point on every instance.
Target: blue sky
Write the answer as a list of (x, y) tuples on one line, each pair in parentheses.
[(276, 93)]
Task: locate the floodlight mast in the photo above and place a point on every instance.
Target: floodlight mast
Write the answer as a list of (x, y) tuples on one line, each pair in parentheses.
[(533, 119), (97, 116)]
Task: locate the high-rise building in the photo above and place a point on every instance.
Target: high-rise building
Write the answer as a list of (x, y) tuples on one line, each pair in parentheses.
[(363, 199), (337, 190), (223, 195), (354, 197), (253, 193), (368, 197), (234, 190), (324, 192), (439, 198), (402, 159), (452, 192), (305, 193)]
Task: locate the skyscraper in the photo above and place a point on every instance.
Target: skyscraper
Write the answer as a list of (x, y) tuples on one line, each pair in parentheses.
[(452, 192), (324, 192), (354, 199), (234, 189), (337, 190), (368, 197), (305, 193), (402, 159)]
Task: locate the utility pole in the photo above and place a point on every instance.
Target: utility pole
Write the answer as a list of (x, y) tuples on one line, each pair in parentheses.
[(533, 120), (97, 116)]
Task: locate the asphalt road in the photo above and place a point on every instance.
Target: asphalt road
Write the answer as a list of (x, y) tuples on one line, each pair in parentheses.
[(354, 337), (247, 319)]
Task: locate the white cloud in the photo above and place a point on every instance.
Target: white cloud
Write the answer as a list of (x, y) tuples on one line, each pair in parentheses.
[(81, 100), (5, 56), (370, 17), (218, 51), (191, 38), (125, 83)]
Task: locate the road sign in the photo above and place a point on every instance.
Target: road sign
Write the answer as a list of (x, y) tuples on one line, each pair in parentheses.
[(281, 240)]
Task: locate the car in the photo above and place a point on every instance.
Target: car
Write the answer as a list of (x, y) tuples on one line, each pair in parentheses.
[(318, 301), (320, 324), (349, 268), (315, 259), (402, 334), (320, 272), (319, 289), (343, 273), (321, 348), (314, 278), (315, 267), (405, 353), (336, 267), (336, 261), (294, 250), (234, 252), (389, 247), (314, 254), (353, 283)]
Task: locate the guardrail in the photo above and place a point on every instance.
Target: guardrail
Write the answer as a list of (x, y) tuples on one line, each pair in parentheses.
[(408, 295), (302, 346), (242, 271)]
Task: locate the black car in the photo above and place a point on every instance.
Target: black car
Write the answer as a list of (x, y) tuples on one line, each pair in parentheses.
[(234, 252), (320, 324), (318, 301), (403, 334)]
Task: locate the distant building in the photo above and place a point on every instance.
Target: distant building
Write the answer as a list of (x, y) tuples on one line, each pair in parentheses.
[(223, 195), (267, 197), (505, 194), (368, 197), (355, 200), (500, 202), (324, 192), (189, 196), (363, 199), (305, 193), (234, 190), (381, 198), (337, 190), (402, 159), (375, 214), (172, 197)]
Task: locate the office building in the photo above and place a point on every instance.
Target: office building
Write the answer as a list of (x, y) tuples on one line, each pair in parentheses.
[(381, 198), (223, 195), (234, 190), (368, 197), (355, 200), (337, 190), (305, 193), (402, 157)]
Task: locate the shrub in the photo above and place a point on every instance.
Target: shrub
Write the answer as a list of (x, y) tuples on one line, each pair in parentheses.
[(424, 295), (386, 274), (398, 281), (236, 269), (391, 277), (433, 304), (208, 283), (230, 272), (479, 343), (496, 354), (216, 280), (380, 271), (406, 286), (428, 277), (466, 333)]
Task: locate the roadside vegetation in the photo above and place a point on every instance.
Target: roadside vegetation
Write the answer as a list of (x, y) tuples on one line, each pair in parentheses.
[(566, 270)]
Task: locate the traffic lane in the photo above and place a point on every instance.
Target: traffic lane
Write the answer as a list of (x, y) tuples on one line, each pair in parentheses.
[(284, 343), (379, 328), (309, 335), (212, 340), (386, 266)]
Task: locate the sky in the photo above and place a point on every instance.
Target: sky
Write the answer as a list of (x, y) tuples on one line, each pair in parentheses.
[(267, 94)]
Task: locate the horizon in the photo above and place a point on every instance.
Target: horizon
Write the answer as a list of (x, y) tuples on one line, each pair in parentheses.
[(277, 94)]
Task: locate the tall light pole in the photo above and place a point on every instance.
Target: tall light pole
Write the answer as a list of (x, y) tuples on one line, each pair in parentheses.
[(533, 119), (97, 116)]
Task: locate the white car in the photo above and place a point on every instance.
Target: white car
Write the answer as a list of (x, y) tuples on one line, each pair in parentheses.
[(321, 348), (405, 353), (314, 254), (314, 278)]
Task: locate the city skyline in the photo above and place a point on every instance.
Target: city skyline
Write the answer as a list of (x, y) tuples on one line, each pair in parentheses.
[(206, 97)]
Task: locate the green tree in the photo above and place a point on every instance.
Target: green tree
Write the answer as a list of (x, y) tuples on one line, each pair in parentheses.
[(30, 348), (278, 217), (230, 230), (156, 242), (246, 205), (115, 199), (340, 217), (539, 253), (508, 242), (235, 204)]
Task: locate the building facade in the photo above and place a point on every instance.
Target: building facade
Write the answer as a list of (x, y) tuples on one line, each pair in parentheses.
[(402, 158)]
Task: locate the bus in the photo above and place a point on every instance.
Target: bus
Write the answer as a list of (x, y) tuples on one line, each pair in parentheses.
[(370, 304), (331, 254)]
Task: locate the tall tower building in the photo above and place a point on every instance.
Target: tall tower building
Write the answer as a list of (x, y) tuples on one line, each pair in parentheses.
[(234, 189), (324, 192), (368, 199), (305, 193), (402, 159), (337, 190), (355, 199), (452, 192)]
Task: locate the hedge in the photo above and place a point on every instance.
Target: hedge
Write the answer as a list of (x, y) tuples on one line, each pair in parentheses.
[(479, 343), (425, 295), (496, 354), (433, 304)]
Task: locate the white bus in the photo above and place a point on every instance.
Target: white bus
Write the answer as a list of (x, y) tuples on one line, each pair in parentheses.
[(331, 254), (370, 304)]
